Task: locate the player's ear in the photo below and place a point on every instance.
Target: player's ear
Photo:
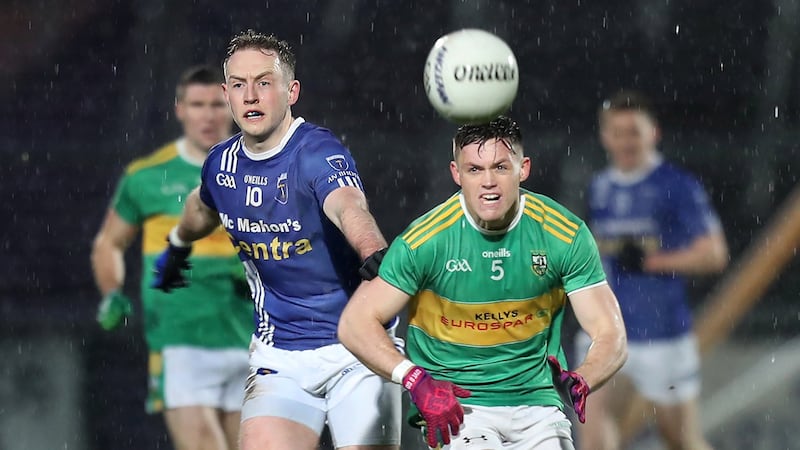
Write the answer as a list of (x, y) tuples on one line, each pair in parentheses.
[(294, 91), (524, 169), (656, 133), (179, 112), (454, 172)]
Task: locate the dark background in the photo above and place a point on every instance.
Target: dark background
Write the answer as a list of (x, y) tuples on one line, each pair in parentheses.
[(87, 85)]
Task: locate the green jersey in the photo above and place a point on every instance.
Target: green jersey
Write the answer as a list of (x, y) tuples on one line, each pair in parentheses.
[(486, 308), (215, 311)]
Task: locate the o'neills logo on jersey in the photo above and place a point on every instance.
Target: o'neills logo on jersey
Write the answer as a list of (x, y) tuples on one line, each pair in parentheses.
[(499, 253)]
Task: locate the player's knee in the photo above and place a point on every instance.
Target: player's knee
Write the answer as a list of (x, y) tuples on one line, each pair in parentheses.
[(199, 435)]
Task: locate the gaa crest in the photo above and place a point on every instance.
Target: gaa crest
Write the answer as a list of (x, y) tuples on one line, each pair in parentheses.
[(539, 263)]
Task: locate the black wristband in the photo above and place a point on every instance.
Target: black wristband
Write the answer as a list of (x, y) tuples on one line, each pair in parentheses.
[(369, 269)]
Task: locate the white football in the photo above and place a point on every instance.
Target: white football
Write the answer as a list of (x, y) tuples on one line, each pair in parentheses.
[(471, 76)]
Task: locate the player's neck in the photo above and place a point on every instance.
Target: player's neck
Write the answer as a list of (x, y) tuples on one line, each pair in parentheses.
[(193, 151), (261, 144), (649, 160), (501, 224)]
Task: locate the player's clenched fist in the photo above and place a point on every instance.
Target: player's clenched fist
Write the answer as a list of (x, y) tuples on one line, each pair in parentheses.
[(170, 265), (437, 404), (571, 386)]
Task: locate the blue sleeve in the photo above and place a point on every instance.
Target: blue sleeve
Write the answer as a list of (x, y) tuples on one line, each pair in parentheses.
[(205, 194), (328, 167), (694, 210)]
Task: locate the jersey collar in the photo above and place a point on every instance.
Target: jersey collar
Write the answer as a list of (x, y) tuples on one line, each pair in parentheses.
[(274, 150), (184, 154), (639, 174), (492, 232)]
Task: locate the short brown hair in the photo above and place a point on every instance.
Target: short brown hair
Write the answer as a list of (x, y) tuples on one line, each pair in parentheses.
[(502, 128), (205, 75), (252, 39), (627, 100)]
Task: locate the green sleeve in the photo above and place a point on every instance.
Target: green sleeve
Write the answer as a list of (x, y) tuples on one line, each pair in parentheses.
[(399, 268), (124, 202), (582, 266)]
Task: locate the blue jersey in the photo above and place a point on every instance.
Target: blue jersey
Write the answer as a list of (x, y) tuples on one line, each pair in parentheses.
[(300, 267), (663, 209)]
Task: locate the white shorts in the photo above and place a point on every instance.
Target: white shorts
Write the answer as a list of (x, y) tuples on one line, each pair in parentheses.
[(513, 428), (324, 385), (664, 371), (194, 376)]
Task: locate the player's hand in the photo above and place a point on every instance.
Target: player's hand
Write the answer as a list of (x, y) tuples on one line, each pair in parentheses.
[(437, 403), (169, 268), (571, 386), (113, 309), (630, 257)]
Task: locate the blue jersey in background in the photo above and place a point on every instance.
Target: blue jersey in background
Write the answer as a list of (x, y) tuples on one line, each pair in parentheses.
[(300, 267), (662, 208)]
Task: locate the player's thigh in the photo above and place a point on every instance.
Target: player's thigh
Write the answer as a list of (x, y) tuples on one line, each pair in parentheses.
[(679, 425), (277, 401), (195, 428), (276, 433), (231, 422), (365, 411), (600, 432)]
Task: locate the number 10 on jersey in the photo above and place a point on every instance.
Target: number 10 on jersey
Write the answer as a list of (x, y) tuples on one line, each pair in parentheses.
[(254, 196)]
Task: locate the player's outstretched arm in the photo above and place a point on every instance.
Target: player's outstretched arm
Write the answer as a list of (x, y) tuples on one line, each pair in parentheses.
[(361, 330), (108, 266), (347, 208), (361, 327), (197, 222), (599, 315), (707, 254)]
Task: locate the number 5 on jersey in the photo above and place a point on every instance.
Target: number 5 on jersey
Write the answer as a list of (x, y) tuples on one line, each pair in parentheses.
[(497, 270), (254, 196)]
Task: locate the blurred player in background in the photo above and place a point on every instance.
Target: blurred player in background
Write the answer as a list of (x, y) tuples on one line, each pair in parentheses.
[(197, 337), (654, 227), (290, 197), (487, 275)]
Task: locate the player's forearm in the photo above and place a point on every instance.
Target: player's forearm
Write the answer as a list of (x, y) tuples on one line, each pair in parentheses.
[(706, 255), (360, 229), (605, 357), (198, 220), (108, 265), (367, 339)]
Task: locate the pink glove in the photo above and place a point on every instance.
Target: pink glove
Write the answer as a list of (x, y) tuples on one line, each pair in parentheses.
[(437, 404), (571, 386)]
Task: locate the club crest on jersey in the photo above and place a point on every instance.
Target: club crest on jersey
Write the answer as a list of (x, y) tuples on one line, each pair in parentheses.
[(337, 162), (283, 190), (539, 263)]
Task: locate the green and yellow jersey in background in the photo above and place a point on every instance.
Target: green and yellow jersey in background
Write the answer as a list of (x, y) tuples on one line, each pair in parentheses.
[(215, 310), (487, 308)]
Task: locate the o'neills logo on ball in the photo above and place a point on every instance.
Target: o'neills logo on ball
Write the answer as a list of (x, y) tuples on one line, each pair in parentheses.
[(485, 72), (438, 75)]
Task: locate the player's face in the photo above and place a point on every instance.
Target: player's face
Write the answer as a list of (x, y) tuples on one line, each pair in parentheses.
[(203, 115), (628, 137), (258, 92), (489, 176)]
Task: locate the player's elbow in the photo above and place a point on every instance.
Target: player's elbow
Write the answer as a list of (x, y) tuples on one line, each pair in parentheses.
[(344, 330)]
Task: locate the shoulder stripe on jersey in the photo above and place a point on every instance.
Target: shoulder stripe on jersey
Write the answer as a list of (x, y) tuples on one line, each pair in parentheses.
[(552, 211), (549, 218), (547, 227), (459, 213), (410, 234), (230, 158), (158, 157)]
